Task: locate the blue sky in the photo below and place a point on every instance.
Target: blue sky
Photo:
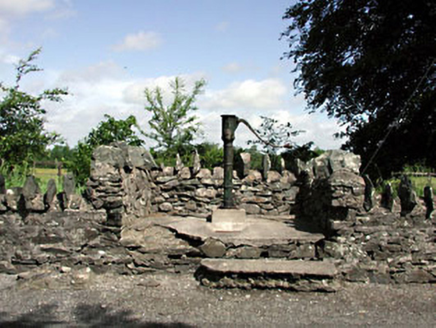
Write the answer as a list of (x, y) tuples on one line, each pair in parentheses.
[(107, 52)]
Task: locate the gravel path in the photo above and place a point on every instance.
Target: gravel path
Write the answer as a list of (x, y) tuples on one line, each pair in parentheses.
[(178, 301)]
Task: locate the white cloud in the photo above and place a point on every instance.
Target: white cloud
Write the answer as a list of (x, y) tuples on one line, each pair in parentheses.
[(7, 58), (141, 41), (264, 94), (24, 7)]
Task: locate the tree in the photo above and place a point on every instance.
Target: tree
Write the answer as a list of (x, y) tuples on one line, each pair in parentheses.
[(275, 134), (105, 133), (22, 134), (173, 126), (370, 64)]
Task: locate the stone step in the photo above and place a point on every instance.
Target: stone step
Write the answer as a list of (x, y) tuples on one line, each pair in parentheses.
[(268, 273)]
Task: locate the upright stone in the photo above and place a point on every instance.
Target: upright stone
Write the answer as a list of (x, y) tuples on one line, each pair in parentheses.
[(368, 203), (69, 185), (282, 165), (407, 195), (32, 200), (51, 193), (428, 200), (197, 164), (387, 199), (243, 164), (30, 188), (2, 185), (266, 166), (179, 163)]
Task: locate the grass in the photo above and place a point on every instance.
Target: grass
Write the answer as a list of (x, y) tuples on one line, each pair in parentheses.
[(418, 184), (17, 177)]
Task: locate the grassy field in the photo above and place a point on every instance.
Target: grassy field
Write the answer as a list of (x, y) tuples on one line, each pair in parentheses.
[(418, 184)]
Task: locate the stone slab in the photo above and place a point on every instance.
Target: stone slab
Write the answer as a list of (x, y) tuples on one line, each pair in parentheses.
[(257, 232), (228, 220), (269, 266)]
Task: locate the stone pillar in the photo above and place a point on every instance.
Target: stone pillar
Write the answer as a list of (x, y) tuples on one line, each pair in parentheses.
[(266, 166), (428, 200), (387, 197), (2, 185), (368, 204), (407, 195)]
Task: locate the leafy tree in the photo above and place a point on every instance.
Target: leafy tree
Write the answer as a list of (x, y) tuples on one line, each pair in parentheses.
[(371, 64), (211, 154), (105, 133), (173, 126), (22, 134), (275, 134)]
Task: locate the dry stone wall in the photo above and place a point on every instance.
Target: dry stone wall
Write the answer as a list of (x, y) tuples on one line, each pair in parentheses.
[(108, 228), (186, 192)]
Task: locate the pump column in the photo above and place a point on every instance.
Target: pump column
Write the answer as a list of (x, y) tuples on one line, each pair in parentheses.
[(229, 125)]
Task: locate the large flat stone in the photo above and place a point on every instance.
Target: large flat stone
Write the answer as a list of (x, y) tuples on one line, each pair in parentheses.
[(256, 232), (268, 266)]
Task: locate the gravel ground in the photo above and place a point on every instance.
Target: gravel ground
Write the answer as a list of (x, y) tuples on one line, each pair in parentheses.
[(178, 301)]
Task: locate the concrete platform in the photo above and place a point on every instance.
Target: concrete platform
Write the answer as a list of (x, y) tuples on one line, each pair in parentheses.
[(256, 232)]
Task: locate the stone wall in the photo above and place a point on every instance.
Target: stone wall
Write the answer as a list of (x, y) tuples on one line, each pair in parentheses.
[(120, 182), (108, 228), (186, 192)]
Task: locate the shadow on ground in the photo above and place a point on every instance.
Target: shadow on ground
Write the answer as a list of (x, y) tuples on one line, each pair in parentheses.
[(85, 315)]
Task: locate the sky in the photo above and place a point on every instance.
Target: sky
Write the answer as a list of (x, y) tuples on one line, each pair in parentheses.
[(106, 52)]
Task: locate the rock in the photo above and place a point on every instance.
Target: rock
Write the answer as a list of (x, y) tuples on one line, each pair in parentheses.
[(407, 195), (387, 198), (2, 185), (168, 171), (184, 173), (368, 203), (273, 176), (253, 177), (266, 166), (112, 156), (428, 200), (243, 164), (196, 163), (69, 185), (139, 157), (30, 188), (179, 163), (245, 252), (50, 195), (213, 248), (165, 207), (218, 173), (204, 174), (251, 208)]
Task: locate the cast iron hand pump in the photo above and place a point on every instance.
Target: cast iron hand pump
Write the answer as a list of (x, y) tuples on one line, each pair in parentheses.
[(229, 126)]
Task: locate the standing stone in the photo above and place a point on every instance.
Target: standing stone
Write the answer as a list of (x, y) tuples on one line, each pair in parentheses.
[(407, 195), (243, 164), (387, 199), (266, 166), (51, 193), (69, 185), (179, 163), (2, 185), (428, 200), (282, 165), (30, 188), (368, 203), (31, 200), (196, 167)]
